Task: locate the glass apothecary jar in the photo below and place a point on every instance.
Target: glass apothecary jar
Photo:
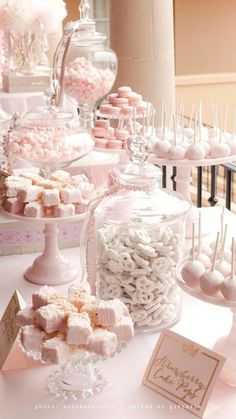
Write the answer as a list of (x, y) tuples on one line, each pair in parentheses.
[(85, 68), (140, 240), (49, 136)]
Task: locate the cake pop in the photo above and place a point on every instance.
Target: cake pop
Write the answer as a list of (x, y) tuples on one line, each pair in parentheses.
[(210, 281), (161, 147), (222, 265), (192, 270), (201, 256), (228, 286)]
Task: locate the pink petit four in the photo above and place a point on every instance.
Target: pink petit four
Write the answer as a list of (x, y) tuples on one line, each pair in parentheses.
[(102, 342), (30, 193), (50, 318), (60, 175), (109, 312), (124, 91), (25, 317), (124, 330), (13, 206), (12, 187), (63, 210), (87, 190), (51, 197), (32, 338), (42, 297), (34, 177), (55, 351), (78, 329), (34, 210), (70, 195)]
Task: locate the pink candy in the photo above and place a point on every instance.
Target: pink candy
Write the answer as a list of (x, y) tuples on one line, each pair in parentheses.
[(85, 82)]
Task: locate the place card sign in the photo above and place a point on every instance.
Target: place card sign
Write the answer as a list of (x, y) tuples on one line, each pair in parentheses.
[(8, 327), (183, 371)]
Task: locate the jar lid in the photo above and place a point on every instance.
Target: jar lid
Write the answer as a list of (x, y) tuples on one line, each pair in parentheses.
[(155, 205), (45, 116)]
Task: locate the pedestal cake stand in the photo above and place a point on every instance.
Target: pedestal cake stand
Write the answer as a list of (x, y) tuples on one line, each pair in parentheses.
[(50, 268)]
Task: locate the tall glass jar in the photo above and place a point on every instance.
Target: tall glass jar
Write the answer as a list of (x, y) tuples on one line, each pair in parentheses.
[(140, 232), (84, 66)]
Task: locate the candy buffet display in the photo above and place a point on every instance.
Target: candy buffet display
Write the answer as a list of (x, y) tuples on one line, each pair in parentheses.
[(78, 328), (61, 195), (84, 67)]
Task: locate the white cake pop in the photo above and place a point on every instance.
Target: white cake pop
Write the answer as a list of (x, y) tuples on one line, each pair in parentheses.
[(228, 286), (222, 265), (211, 280), (161, 148), (201, 256), (192, 270)]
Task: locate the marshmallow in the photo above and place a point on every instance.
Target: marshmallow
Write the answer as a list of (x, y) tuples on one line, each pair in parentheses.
[(78, 329), (70, 195), (102, 342), (55, 351), (34, 210), (32, 338)]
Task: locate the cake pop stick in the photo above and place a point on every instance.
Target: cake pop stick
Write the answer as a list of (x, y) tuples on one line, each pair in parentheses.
[(174, 129), (201, 256), (182, 125), (226, 117), (134, 120), (191, 116), (193, 242), (223, 266), (228, 286), (170, 117), (211, 280), (220, 149)]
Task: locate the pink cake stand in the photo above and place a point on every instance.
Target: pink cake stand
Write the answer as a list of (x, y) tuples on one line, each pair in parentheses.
[(50, 268), (183, 181), (226, 345)]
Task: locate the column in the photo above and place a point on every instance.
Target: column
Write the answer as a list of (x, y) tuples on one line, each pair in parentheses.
[(142, 35)]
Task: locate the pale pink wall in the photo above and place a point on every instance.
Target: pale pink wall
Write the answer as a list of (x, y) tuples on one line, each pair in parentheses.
[(205, 36)]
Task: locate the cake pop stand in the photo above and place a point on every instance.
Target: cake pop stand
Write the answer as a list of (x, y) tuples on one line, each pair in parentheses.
[(183, 181), (50, 268), (226, 345)]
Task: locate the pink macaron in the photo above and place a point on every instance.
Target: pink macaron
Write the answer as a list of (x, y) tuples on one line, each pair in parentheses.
[(105, 108), (121, 102), (124, 91), (117, 144), (99, 132), (127, 111), (101, 143), (114, 111), (111, 97), (134, 99), (102, 123)]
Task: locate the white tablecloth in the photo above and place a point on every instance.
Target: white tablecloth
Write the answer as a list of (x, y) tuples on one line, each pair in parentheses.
[(23, 393)]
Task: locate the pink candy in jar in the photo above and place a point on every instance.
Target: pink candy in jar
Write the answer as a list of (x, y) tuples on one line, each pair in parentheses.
[(85, 82)]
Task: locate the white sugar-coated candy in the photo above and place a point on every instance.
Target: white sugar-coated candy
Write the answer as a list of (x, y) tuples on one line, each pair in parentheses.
[(210, 282), (191, 272), (228, 288)]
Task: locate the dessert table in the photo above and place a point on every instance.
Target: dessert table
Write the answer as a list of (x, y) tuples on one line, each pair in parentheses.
[(23, 392)]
